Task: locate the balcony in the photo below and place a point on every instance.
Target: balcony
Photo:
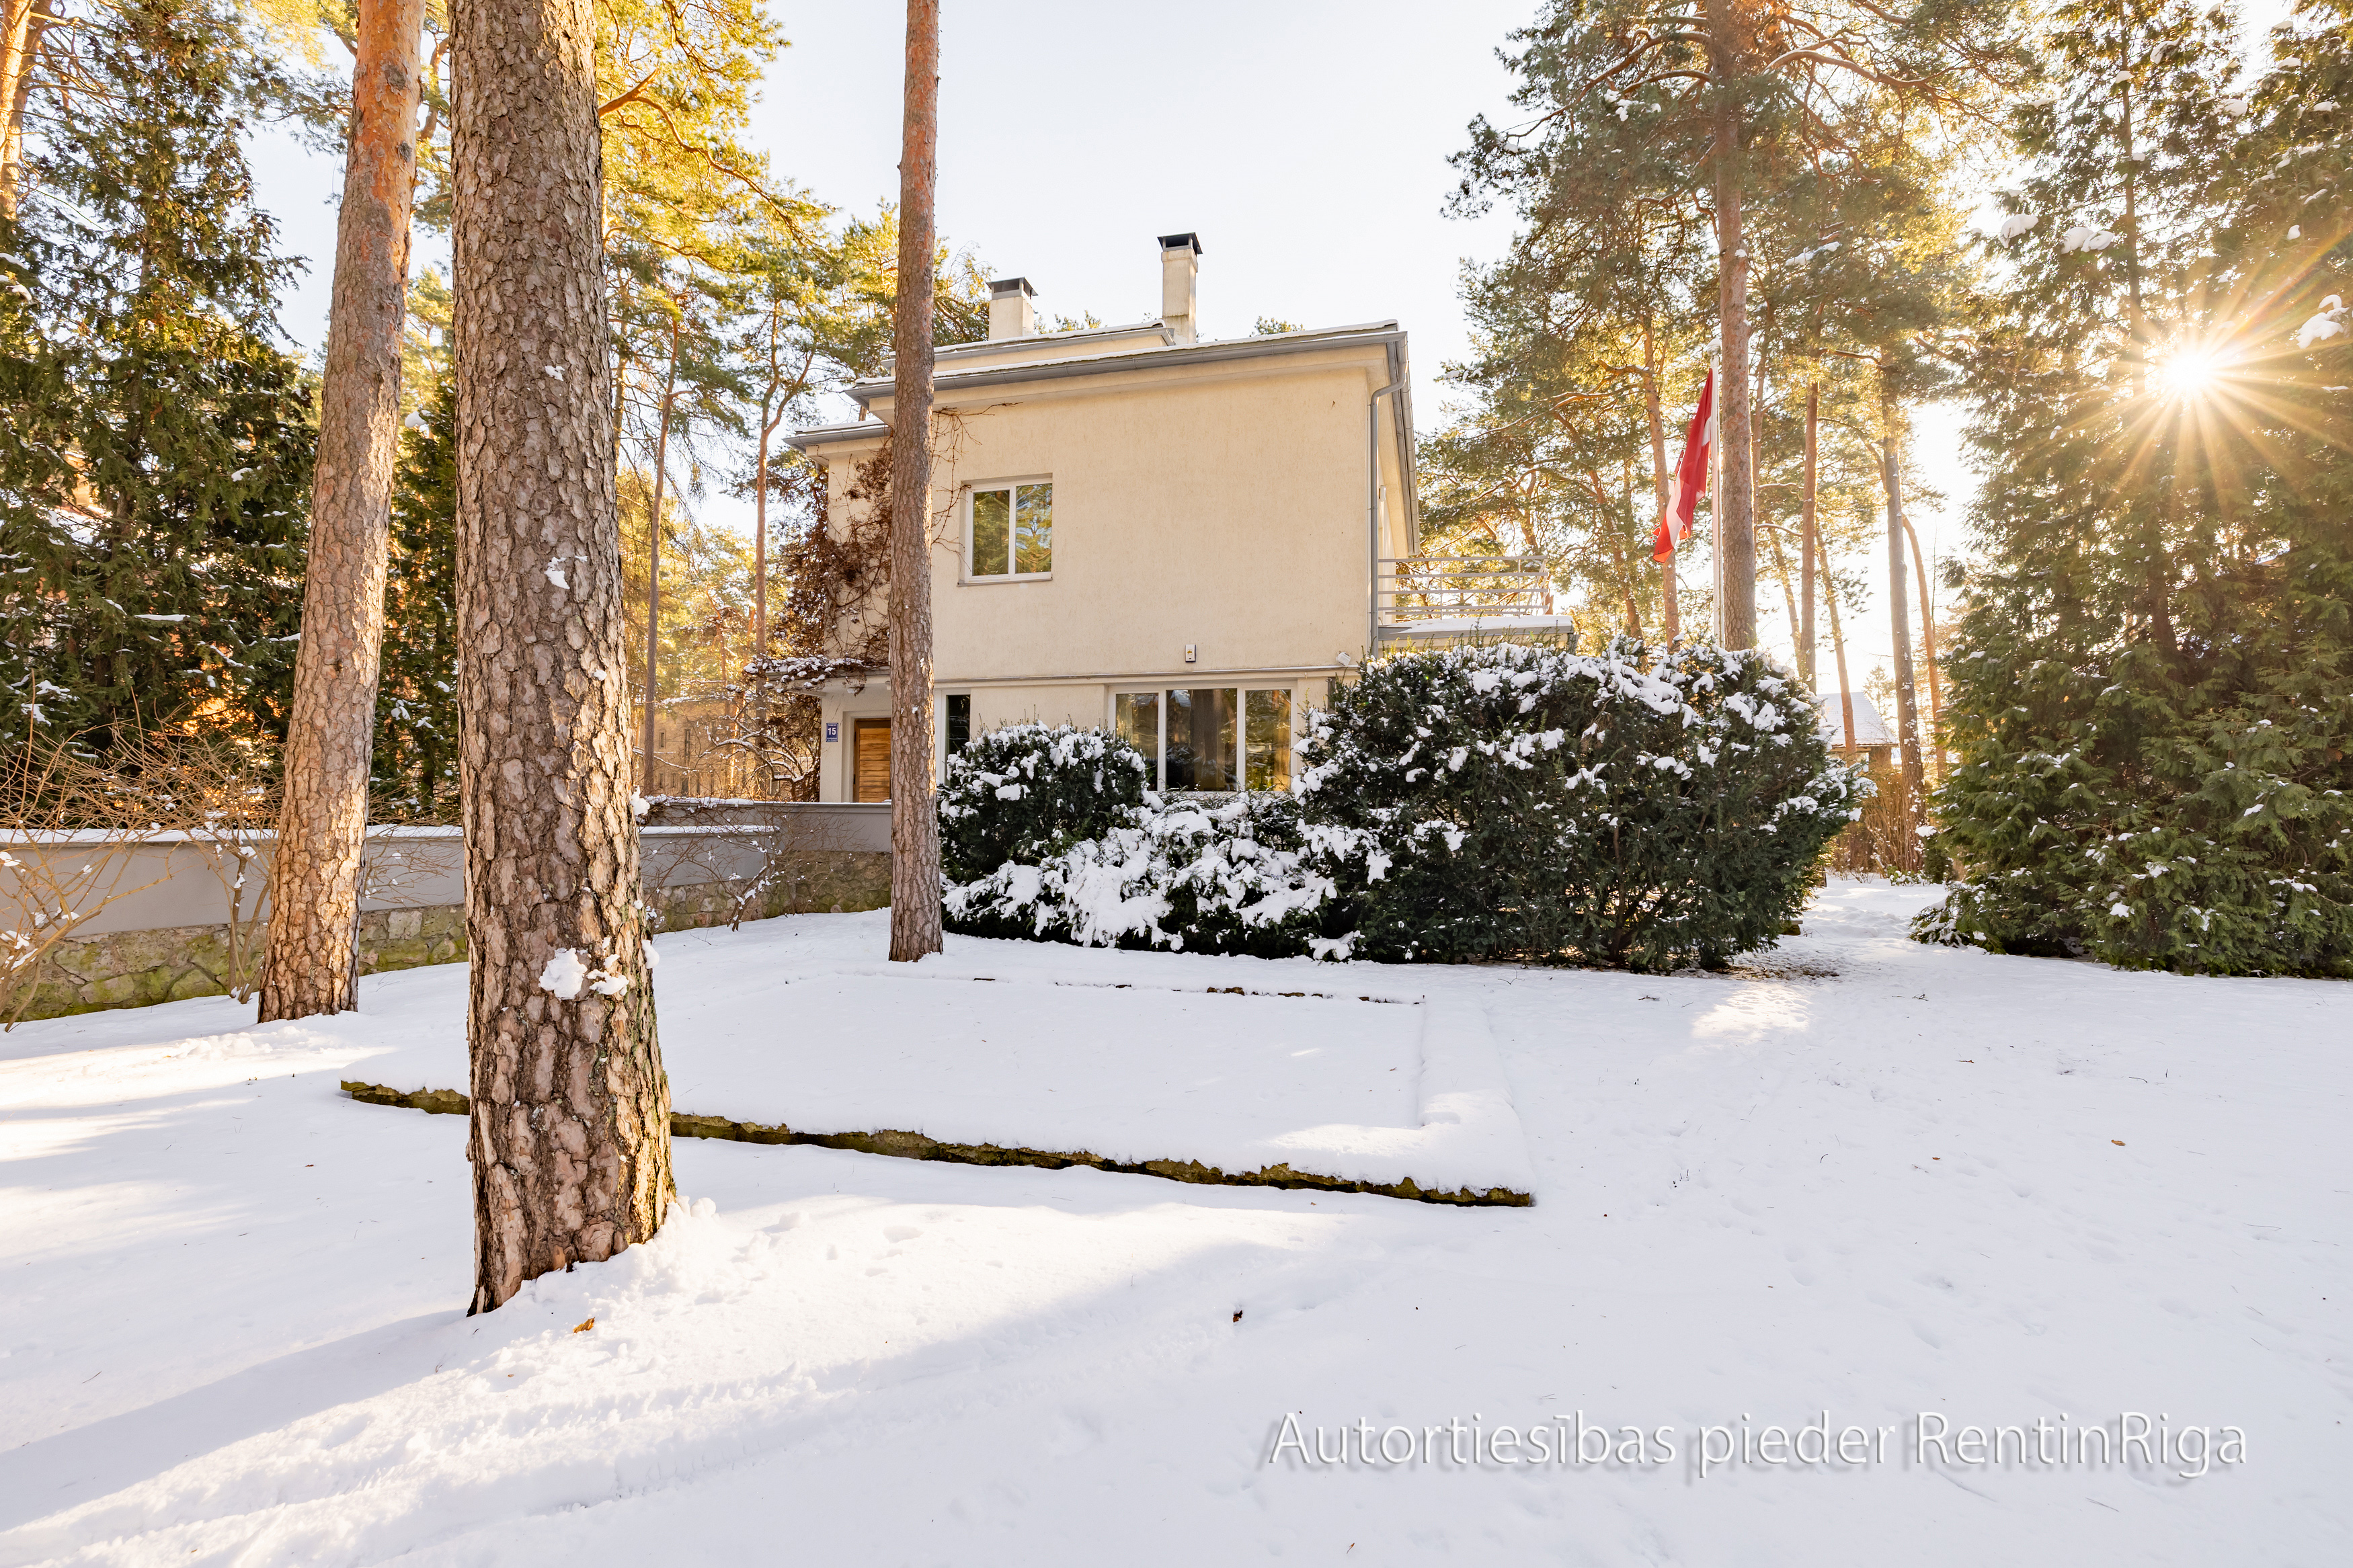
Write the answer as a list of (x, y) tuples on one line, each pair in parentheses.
[(1421, 600)]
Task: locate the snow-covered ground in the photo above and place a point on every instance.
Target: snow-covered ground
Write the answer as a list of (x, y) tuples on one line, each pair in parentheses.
[(793, 1023), (1859, 1176)]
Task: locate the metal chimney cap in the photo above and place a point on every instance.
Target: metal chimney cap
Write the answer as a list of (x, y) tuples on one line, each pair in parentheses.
[(1000, 288), (1191, 242)]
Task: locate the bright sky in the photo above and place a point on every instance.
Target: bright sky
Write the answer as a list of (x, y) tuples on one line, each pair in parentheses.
[(1305, 140)]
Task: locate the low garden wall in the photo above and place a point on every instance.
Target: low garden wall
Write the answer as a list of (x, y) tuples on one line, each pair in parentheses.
[(174, 916)]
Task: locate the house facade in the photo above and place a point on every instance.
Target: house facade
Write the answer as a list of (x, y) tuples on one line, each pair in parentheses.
[(1180, 537)]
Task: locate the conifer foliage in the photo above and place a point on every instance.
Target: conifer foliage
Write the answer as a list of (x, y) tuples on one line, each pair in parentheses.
[(156, 490), (1025, 792), (1638, 809), (416, 753), (2153, 700)]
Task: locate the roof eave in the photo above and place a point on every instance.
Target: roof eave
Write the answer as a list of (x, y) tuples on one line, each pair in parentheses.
[(1372, 334)]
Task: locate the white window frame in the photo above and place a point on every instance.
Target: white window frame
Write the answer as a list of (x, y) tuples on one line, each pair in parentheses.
[(969, 579), (1239, 760)]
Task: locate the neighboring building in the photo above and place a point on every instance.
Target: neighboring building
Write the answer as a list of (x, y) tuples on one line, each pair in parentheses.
[(1181, 538), (1874, 742)]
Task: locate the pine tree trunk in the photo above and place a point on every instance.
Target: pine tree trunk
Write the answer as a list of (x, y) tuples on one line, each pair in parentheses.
[(914, 823), (1810, 545), (1907, 714), (1837, 652), (1616, 547), (1927, 642), (1735, 508), (23, 25), (759, 542), (311, 964), (1781, 570), (570, 1131), (646, 781)]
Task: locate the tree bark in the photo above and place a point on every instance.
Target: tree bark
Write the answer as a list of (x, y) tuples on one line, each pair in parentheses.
[(570, 1131), (1671, 612), (23, 25), (1810, 545), (653, 560), (1838, 651), (1927, 641), (914, 824), (1907, 706), (311, 965), (1781, 570), (760, 545), (1618, 548), (1736, 502)]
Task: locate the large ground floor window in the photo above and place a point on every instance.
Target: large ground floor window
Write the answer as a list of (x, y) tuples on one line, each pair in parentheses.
[(1218, 738)]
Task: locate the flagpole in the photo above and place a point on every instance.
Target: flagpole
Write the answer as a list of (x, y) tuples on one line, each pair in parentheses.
[(1694, 475), (1669, 627), (1716, 499)]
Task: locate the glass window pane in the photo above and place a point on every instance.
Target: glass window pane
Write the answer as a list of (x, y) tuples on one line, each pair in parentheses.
[(1135, 716), (1224, 715), (959, 723), (1033, 527), (1266, 735), (992, 532), (1180, 741), (1201, 737)]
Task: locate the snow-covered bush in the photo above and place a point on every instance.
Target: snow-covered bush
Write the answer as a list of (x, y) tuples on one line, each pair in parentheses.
[(1024, 794), (1242, 876), (1632, 808), (1637, 806)]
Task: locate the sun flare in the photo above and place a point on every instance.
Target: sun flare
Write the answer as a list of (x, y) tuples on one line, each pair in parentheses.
[(2187, 372)]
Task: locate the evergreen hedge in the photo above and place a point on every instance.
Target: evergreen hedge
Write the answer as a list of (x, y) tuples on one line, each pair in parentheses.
[(1023, 794), (1640, 807)]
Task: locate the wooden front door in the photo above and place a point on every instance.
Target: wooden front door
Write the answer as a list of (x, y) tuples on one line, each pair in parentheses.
[(870, 760)]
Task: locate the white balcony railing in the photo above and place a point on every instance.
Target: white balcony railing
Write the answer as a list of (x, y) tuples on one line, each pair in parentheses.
[(1438, 593)]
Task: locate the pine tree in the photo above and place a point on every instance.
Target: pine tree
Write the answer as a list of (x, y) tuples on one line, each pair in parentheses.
[(1664, 112), (322, 826), (159, 501), (570, 1135), (2150, 695), (915, 826)]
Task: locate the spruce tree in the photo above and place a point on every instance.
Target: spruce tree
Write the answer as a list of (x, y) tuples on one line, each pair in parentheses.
[(157, 509), (2150, 697), (416, 753)]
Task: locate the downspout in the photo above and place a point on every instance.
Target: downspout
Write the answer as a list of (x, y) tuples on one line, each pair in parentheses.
[(1373, 503)]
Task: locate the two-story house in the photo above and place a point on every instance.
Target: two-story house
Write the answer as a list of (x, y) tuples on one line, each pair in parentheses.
[(1181, 538)]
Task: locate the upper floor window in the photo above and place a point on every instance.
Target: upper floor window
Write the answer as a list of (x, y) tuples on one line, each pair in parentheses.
[(1012, 531)]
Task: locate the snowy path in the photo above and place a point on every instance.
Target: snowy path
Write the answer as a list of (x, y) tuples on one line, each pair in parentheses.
[(2001, 1189)]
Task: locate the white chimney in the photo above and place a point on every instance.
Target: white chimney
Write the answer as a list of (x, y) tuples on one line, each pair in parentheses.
[(1180, 265), (1011, 314)]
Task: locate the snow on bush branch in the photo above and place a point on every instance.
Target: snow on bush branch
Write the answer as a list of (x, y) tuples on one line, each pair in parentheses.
[(1637, 806)]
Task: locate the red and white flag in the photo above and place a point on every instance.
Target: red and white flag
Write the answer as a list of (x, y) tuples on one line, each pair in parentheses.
[(1690, 476)]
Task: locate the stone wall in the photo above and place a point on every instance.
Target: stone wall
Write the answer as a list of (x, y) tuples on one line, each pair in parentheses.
[(820, 881), (136, 968)]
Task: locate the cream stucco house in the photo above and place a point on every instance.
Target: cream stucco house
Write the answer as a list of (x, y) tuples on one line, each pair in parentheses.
[(1183, 538)]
